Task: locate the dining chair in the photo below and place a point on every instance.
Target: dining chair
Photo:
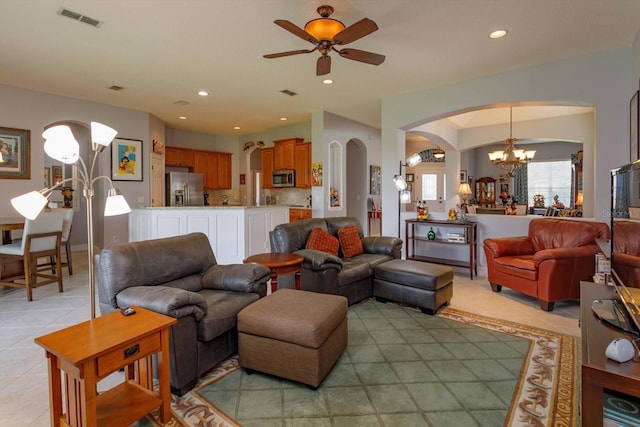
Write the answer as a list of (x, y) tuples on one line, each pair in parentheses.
[(67, 220), (40, 238)]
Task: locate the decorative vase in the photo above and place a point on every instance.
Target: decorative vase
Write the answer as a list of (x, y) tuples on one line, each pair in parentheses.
[(431, 235)]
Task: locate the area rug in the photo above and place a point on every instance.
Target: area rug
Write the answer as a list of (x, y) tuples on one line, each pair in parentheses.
[(480, 371)]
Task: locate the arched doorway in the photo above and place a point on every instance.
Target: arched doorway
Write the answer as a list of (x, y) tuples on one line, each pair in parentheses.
[(356, 185)]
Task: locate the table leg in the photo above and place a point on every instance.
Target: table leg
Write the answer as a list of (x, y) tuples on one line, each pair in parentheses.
[(163, 377), (274, 283), (297, 280), (55, 390)]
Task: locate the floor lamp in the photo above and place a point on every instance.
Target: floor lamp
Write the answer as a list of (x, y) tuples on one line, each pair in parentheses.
[(61, 145), (404, 195)]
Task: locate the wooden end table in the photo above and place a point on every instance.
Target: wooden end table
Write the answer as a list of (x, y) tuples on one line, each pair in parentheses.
[(279, 263), (83, 354)]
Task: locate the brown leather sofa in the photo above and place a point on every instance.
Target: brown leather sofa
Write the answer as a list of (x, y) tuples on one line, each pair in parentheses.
[(626, 251), (549, 262), (329, 274), (179, 277)]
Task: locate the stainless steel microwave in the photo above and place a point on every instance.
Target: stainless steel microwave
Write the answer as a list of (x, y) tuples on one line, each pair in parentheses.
[(284, 178)]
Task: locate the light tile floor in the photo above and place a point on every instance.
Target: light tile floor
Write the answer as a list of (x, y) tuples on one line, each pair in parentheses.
[(23, 371)]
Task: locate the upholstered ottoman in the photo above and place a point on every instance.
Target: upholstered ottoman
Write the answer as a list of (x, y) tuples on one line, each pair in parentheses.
[(419, 284), (293, 334)]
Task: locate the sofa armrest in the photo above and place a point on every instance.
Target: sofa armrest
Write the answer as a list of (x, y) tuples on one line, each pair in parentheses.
[(565, 253), (238, 278), (318, 260), (508, 246), (174, 302), (383, 245)]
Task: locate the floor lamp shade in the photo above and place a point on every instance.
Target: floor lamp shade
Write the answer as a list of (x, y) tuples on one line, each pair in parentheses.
[(30, 204), (102, 134), (61, 145)]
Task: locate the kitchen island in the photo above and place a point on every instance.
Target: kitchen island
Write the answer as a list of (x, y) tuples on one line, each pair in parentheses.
[(235, 232)]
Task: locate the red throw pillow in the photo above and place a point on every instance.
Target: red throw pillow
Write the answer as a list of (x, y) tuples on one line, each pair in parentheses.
[(350, 241), (320, 240)]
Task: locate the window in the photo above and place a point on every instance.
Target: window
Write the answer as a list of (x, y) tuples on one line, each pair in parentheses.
[(429, 187), (550, 178)]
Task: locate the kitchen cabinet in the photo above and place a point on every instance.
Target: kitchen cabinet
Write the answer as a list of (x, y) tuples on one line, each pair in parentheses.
[(284, 153), (486, 192), (266, 157), (298, 214), (302, 157), (179, 157), (215, 167)]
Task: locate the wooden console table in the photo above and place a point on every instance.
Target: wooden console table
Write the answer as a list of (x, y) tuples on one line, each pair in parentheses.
[(599, 372), (470, 231), (83, 354)]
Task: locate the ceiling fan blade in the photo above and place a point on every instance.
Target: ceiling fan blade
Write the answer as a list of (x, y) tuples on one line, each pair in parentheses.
[(295, 30), (356, 31), (362, 56), (289, 53), (323, 66)]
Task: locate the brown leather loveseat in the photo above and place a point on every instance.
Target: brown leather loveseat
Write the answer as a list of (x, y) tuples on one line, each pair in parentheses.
[(549, 262), (626, 251)]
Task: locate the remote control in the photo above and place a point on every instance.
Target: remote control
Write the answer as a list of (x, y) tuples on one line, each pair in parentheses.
[(128, 311)]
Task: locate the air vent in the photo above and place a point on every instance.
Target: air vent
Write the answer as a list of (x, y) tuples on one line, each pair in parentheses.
[(288, 92), (79, 17), (181, 103), (116, 88)]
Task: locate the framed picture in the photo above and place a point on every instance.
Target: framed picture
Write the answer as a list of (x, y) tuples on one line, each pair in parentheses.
[(56, 174), (15, 156), (158, 146), (409, 186), (374, 180), (409, 177), (316, 174), (126, 159), (463, 176), (47, 177), (634, 111)]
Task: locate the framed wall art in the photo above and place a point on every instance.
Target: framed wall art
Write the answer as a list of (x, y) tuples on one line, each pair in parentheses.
[(15, 156), (47, 177), (374, 180), (316, 174), (126, 159), (634, 110), (409, 177), (463, 176), (56, 174)]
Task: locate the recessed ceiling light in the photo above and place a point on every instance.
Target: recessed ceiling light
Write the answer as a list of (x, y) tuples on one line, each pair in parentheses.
[(203, 93), (236, 127), (497, 34), (183, 117), (284, 119), (327, 81)]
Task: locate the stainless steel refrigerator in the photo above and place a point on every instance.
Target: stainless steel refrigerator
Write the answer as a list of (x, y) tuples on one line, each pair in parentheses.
[(184, 189)]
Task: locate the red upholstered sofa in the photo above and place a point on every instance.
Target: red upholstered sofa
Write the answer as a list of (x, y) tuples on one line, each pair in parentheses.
[(549, 262), (626, 251)]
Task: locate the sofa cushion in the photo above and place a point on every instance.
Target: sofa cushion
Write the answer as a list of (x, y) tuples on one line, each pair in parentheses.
[(223, 307), (557, 233), (353, 271), (320, 240), (350, 242)]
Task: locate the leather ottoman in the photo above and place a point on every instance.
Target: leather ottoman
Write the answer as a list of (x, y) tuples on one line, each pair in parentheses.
[(297, 335), (419, 284)]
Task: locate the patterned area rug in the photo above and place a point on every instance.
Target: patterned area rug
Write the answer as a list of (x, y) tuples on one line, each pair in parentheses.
[(546, 390)]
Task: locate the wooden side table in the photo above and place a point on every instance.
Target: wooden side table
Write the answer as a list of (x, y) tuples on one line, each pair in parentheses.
[(279, 263), (373, 215), (83, 354)]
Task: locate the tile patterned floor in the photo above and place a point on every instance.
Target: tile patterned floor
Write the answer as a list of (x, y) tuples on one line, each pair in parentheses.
[(23, 371)]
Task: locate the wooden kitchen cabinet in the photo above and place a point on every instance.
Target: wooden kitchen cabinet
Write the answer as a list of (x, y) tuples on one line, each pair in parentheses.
[(298, 214), (215, 167), (284, 153), (302, 156), (224, 170), (184, 157), (266, 157)]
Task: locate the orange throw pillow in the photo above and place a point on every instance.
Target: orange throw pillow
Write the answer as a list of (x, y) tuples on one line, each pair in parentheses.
[(320, 240), (350, 241)]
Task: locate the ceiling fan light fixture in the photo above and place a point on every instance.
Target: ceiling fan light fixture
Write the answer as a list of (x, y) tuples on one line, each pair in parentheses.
[(324, 28)]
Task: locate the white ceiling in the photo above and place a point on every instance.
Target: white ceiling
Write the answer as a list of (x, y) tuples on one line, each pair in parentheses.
[(164, 51)]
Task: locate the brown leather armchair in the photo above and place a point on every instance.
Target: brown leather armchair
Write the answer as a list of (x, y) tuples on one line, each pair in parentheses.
[(549, 262), (626, 251)]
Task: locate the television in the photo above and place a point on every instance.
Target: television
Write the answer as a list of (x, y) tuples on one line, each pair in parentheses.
[(625, 224)]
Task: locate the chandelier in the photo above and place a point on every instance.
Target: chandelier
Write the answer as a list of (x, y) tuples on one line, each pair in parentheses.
[(511, 158)]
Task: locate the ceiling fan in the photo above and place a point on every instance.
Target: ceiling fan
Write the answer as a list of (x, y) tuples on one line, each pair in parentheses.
[(325, 33)]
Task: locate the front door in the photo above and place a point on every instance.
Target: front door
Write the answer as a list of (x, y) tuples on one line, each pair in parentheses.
[(430, 185)]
